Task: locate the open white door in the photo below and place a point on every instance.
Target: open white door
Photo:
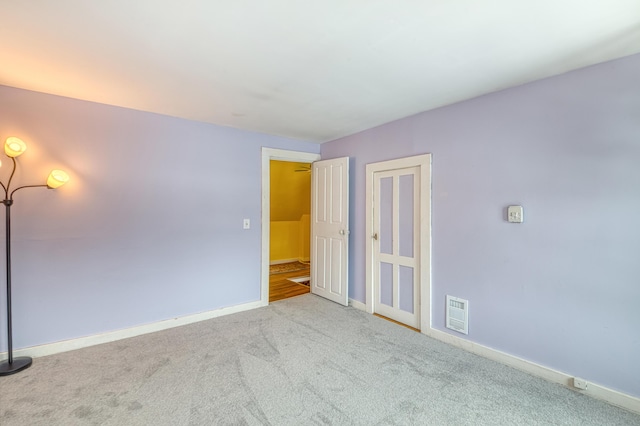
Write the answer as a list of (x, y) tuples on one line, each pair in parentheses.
[(330, 229)]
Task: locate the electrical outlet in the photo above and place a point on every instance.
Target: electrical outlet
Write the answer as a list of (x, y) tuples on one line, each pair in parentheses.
[(579, 383)]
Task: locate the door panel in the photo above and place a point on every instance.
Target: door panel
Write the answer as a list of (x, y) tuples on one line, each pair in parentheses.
[(406, 214), (386, 215), (318, 262), (406, 290), (386, 284), (330, 229)]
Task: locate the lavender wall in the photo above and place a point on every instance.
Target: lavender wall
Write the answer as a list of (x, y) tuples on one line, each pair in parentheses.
[(561, 289), (149, 227)]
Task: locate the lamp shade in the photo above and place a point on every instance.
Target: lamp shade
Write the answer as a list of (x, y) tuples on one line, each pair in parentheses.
[(57, 178), (14, 146)]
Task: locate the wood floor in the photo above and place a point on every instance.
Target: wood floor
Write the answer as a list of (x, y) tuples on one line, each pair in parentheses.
[(281, 288), (397, 322)]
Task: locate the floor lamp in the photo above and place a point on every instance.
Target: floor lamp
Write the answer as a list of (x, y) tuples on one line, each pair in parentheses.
[(14, 147)]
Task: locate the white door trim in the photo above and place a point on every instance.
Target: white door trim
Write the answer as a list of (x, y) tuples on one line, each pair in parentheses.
[(424, 163), (269, 154)]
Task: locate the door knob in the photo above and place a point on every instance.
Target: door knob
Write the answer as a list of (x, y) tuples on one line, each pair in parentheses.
[(344, 232), (375, 236)]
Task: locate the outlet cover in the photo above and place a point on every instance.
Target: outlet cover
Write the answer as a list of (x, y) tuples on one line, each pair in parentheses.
[(579, 383)]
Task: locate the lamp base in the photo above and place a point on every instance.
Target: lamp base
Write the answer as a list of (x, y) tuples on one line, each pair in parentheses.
[(18, 364)]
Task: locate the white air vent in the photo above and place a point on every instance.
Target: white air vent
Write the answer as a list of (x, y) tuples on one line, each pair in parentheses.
[(458, 314)]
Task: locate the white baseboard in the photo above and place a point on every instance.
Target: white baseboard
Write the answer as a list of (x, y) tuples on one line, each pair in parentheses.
[(293, 259), (277, 262), (594, 390), (83, 342), (358, 305)]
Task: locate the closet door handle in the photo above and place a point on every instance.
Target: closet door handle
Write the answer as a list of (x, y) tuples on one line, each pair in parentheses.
[(375, 236)]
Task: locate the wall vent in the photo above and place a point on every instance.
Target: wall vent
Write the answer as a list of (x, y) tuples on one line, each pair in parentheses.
[(457, 314)]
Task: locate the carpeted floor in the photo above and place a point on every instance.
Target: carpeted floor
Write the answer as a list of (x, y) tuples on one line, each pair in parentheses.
[(299, 361)]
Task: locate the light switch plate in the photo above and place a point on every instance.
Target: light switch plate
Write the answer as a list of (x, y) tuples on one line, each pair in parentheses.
[(515, 214), (246, 224)]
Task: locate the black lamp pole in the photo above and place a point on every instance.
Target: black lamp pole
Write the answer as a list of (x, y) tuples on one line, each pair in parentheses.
[(11, 365)]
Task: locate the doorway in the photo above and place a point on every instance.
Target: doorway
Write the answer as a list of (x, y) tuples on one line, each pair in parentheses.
[(269, 154), (290, 229)]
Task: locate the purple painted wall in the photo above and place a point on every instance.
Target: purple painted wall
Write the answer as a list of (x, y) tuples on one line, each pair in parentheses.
[(561, 289), (149, 227)]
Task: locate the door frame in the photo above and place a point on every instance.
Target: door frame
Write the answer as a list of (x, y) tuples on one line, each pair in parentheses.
[(269, 154), (422, 161)]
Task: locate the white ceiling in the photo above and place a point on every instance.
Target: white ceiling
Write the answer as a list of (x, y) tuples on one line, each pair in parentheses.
[(312, 70)]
